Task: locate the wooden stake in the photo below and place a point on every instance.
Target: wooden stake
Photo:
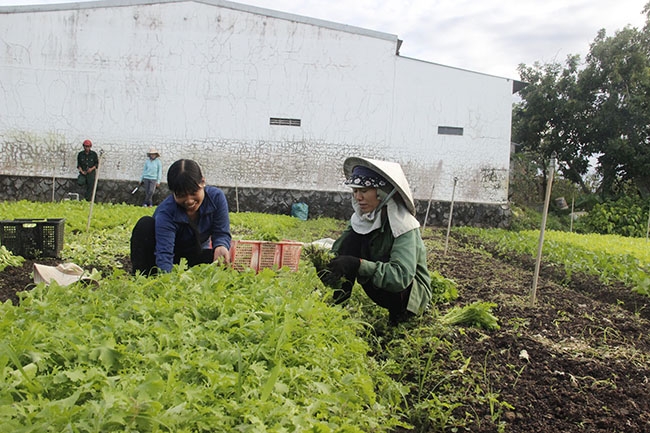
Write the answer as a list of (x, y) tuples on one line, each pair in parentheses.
[(533, 291), (426, 215), (92, 198), (573, 199), (647, 232), (451, 215)]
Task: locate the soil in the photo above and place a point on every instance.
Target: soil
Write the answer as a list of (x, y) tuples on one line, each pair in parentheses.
[(16, 279), (575, 361), (586, 362)]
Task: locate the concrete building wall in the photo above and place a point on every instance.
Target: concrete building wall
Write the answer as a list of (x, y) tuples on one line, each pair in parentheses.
[(195, 81), (202, 80), (429, 97)]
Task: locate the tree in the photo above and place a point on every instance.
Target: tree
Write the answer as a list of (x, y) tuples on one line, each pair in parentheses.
[(617, 79), (550, 119), (602, 110)]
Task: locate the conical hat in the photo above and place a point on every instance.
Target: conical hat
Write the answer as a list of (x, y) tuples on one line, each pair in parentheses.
[(64, 274), (391, 171)]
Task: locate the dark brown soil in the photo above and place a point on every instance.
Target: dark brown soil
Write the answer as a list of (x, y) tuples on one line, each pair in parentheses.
[(588, 349), (576, 361), (14, 280)]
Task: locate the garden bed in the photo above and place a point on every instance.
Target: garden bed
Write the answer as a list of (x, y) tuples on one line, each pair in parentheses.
[(577, 361)]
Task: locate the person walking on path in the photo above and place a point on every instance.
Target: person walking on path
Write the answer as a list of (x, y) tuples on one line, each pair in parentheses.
[(87, 164), (151, 176)]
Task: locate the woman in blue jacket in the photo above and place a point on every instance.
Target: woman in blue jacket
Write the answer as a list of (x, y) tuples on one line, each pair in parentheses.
[(151, 176), (192, 223)]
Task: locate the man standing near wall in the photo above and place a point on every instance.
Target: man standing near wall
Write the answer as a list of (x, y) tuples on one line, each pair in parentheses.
[(87, 163)]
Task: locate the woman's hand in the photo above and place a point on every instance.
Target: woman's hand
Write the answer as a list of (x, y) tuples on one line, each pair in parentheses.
[(341, 267), (221, 255)]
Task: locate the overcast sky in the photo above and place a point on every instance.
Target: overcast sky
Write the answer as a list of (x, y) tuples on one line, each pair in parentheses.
[(489, 36)]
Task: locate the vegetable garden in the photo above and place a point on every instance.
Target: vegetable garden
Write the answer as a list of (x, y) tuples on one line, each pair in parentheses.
[(210, 349)]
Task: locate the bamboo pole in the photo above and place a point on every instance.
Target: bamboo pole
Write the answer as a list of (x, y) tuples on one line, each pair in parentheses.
[(533, 291), (237, 185), (451, 215), (573, 199), (92, 197), (647, 231)]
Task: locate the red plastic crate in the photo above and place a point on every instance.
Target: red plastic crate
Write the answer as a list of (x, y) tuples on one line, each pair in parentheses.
[(245, 254)]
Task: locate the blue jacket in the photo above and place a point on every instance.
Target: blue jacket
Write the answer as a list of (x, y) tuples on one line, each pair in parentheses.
[(152, 170), (173, 226)]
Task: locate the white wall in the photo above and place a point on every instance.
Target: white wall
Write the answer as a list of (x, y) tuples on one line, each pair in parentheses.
[(201, 81), (428, 96)]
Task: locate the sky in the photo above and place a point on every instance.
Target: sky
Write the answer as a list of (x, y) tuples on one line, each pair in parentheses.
[(488, 36)]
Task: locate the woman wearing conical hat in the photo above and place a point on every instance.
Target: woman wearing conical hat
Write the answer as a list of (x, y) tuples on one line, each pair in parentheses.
[(381, 248)]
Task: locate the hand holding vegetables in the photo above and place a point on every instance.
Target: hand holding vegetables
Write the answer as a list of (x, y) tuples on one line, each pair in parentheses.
[(338, 273), (340, 267)]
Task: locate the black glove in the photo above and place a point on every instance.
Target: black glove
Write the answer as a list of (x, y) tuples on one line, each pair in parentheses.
[(341, 268)]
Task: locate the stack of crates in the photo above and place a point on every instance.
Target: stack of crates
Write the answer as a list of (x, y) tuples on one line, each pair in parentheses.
[(256, 255)]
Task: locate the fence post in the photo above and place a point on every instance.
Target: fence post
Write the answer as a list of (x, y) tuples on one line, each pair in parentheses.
[(533, 291)]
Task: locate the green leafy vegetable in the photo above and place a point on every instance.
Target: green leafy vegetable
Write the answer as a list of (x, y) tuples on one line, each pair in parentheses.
[(443, 289), (8, 259), (319, 256), (477, 314), (200, 349)]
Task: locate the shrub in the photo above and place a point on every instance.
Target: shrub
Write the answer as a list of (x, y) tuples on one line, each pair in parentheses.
[(627, 216)]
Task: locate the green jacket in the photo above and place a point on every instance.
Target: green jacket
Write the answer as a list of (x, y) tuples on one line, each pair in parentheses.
[(391, 264), (87, 160)]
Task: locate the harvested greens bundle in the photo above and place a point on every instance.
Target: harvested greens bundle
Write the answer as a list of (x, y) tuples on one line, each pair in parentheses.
[(478, 314)]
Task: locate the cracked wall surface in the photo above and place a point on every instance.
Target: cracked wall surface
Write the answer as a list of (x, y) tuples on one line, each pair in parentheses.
[(201, 81)]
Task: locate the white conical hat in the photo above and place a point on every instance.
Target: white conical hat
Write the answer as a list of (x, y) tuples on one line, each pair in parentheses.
[(64, 274), (391, 171)]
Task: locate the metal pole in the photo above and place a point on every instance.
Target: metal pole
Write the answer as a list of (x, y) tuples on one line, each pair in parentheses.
[(451, 214), (426, 215), (533, 291)]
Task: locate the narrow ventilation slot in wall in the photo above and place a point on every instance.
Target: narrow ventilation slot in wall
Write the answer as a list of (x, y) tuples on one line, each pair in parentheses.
[(279, 121), (449, 130)]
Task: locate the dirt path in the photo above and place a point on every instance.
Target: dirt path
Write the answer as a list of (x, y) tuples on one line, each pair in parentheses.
[(578, 361)]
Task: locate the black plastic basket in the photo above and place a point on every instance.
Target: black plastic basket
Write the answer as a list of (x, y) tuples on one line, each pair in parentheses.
[(32, 238)]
